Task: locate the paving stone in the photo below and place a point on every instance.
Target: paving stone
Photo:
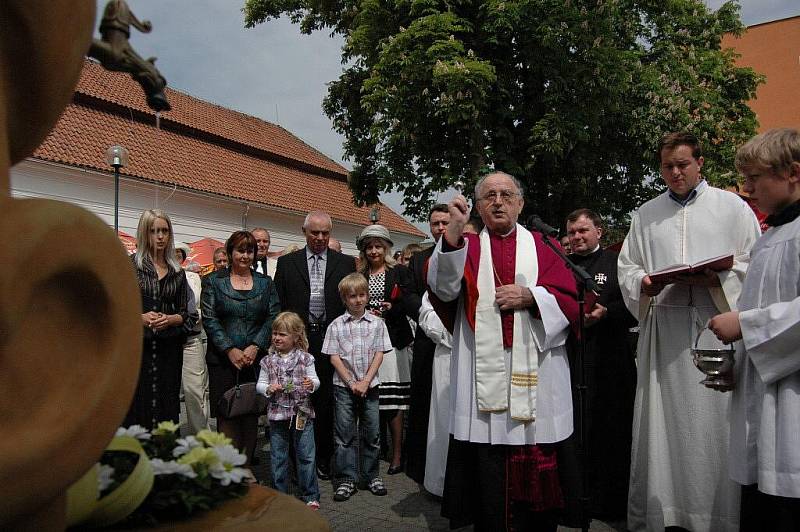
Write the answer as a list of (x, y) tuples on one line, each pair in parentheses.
[(407, 507)]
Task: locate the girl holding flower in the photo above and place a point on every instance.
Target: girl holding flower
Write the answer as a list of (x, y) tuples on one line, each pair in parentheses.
[(288, 379)]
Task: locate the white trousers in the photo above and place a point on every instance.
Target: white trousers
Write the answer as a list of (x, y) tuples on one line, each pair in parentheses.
[(195, 384)]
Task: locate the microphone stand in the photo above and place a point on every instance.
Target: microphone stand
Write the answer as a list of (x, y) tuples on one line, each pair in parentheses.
[(584, 282)]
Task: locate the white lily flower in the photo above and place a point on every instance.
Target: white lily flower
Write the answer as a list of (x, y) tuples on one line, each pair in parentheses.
[(184, 445), (160, 467), (226, 476), (134, 431)]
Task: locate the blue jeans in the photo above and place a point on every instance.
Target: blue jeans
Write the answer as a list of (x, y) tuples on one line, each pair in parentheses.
[(350, 412), (279, 434)]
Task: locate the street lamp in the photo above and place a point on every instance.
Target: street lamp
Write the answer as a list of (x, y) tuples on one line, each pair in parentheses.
[(116, 156), (374, 215)]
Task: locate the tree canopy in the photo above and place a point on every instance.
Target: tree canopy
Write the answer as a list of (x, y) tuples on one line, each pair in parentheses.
[(570, 96)]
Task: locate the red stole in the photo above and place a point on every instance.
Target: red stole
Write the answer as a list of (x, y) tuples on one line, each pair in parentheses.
[(553, 276)]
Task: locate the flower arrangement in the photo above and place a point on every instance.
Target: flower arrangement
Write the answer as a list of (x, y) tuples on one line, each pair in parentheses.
[(144, 477)]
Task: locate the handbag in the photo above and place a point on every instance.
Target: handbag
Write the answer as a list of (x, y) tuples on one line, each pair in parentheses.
[(242, 400)]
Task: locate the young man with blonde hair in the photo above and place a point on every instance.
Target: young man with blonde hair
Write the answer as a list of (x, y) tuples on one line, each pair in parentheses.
[(764, 444)]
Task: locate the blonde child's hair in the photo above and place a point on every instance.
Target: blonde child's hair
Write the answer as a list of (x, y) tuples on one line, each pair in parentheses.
[(355, 282), (775, 150), (291, 323)]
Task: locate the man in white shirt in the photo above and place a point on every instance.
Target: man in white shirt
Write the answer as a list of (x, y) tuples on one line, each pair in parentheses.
[(679, 474)]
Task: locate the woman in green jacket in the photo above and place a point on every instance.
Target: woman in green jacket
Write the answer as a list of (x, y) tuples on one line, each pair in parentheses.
[(239, 306)]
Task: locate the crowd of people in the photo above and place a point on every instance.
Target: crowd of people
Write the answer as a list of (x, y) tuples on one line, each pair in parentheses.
[(458, 363)]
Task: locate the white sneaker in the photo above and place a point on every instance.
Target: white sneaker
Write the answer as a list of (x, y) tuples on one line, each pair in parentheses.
[(314, 505)]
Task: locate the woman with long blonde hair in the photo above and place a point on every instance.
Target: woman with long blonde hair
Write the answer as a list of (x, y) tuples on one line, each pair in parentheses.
[(166, 321)]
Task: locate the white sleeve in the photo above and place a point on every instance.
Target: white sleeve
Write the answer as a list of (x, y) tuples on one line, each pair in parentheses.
[(771, 336), (556, 324), (446, 270), (630, 271), (431, 325), (263, 379), (311, 373), (727, 294)]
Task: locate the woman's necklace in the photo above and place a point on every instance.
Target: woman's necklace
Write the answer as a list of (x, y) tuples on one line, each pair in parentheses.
[(241, 282)]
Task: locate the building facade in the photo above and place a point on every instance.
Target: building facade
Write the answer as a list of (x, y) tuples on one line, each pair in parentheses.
[(772, 49), (212, 169)]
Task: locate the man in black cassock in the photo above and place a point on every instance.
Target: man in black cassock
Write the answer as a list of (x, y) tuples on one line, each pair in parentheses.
[(611, 371)]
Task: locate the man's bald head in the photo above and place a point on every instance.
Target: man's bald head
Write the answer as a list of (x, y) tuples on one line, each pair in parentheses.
[(317, 230)]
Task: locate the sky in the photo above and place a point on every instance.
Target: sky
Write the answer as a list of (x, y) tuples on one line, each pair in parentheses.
[(274, 72)]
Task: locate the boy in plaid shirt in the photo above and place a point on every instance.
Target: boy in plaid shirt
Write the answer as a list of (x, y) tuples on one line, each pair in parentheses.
[(356, 342)]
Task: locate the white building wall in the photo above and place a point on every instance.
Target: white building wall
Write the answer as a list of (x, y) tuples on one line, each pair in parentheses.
[(194, 215)]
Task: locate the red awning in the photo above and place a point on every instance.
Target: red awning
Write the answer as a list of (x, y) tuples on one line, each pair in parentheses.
[(202, 252), (128, 241)]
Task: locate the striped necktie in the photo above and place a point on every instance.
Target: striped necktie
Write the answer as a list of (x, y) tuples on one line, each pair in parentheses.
[(316, 303)]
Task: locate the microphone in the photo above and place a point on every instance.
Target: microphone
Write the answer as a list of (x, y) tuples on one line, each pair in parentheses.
[(536, 223)]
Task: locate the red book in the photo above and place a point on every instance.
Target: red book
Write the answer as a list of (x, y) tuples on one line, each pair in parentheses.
[(667, 275)]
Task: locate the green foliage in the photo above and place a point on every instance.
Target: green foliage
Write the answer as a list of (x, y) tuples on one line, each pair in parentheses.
[(571, 96)]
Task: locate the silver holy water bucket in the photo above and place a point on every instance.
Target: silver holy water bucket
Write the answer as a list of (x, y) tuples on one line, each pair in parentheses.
[(715, 362)]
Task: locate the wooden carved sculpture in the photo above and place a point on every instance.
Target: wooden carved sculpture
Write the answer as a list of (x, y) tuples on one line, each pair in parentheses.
[(70, 331), (70, 323)]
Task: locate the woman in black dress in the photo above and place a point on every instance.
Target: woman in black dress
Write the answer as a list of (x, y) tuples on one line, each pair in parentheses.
[(166, 321), (238, 308), (388, 283)]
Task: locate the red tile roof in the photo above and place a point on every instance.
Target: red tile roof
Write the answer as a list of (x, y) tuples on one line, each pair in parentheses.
[(204, 147)]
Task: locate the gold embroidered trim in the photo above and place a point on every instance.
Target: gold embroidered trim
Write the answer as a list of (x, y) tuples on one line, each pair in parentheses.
[(522, 379)]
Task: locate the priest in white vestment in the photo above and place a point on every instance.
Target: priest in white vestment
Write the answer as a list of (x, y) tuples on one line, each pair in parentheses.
[(439, 415), (765, 408), (509, 302), (679, 471)]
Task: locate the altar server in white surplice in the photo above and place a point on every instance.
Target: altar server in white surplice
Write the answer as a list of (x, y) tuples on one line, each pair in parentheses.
[(679, 471), (765, 408), (508, 301), (439, 417)]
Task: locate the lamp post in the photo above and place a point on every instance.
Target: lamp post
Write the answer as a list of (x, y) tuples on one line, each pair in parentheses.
[(374, 215), (116, 156)]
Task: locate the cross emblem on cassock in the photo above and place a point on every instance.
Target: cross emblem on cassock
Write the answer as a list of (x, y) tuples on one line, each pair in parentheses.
[(600, 278)]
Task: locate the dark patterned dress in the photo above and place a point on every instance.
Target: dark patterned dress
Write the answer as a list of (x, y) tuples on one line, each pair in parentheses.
[(158, 388), (395, 370)]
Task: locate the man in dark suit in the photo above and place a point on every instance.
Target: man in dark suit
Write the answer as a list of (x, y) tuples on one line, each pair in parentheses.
[(307, 281), (422, 363)]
